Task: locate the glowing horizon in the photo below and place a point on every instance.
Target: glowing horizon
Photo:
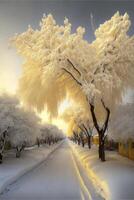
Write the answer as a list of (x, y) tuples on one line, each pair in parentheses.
[(44, 115)]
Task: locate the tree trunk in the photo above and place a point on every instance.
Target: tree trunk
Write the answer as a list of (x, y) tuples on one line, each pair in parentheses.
[(99, 148), (101, 131), (89, 142), (78, 141), (19, 150), (81, 138), (38, 143), (3, 142), (1, 158), (49, 142), (82, 142), (18, 153), (88, 136), (102, 151)]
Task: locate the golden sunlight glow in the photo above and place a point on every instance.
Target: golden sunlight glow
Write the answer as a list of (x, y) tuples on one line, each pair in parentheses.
[(5, 84), (57, 121), (64, 105), (96, 181), (61, 124), (83, 185)]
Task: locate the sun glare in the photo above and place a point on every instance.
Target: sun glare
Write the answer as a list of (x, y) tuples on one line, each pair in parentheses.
[(57, 121)]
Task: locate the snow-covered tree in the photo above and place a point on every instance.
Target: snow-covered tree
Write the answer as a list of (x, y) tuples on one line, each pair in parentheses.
[(50, 133), (45, 133), (58, 62), (25, 129), (122, 123), (18, 126), (80, 124), (7, 105)]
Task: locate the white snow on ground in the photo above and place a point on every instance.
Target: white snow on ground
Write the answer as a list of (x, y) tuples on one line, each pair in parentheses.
[(114, 178), (58, 178), (62, 177), (13, 168)]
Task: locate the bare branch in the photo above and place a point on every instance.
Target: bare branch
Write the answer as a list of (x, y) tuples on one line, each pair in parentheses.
[(103, 103), (78, 82), (83, 130), (74, 67), (75, 134)]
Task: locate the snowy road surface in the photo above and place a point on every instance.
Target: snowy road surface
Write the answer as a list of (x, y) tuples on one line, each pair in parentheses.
[(58, 178)]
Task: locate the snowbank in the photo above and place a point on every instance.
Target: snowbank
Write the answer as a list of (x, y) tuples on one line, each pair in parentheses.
[(13, 168), (114, 179)]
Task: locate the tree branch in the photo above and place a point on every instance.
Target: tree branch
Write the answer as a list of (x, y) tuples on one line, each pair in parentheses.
[(78, 82), (86, 130), (83, 130), (75, 134), (91, 129), (74, 67)]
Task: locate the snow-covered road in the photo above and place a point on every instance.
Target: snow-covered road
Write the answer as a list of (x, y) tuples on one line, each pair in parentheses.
[(58, 178)]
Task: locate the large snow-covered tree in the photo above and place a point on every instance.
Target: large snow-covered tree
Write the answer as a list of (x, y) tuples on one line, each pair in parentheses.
[(58, 62)]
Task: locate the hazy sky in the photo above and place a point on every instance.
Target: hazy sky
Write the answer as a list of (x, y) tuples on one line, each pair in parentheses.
[(16, 15)]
